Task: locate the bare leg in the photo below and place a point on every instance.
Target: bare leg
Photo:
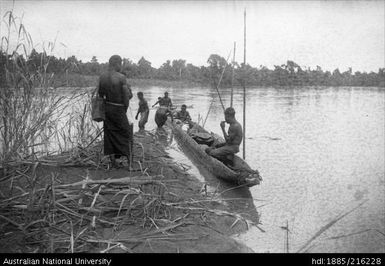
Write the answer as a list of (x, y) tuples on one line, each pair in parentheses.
[(113, 160), (224, 154)]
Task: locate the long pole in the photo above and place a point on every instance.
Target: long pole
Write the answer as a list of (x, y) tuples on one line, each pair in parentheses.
[(244, 85), (217, 87), (219, 95), (232, 76), (287, 236)]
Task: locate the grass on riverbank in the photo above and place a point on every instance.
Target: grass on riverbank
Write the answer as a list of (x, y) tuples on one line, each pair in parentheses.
[(72, 203)]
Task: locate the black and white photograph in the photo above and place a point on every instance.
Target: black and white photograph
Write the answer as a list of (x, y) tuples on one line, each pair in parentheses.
[(197, 127)]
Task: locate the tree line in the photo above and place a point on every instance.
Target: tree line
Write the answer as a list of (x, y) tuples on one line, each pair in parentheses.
[(217, 71)]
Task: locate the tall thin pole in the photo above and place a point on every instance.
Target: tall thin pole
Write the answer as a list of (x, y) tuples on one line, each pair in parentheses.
[(244, 37), (232, 76), (219, 95), (287, 236), (217, 87), (244, 86)]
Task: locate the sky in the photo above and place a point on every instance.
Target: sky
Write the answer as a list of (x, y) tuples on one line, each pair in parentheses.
[(331, 34)]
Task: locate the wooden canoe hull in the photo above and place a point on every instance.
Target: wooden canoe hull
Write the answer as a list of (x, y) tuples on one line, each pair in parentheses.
[(243, 175)]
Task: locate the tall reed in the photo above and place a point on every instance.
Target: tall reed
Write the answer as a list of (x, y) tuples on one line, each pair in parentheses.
[(31, 110)]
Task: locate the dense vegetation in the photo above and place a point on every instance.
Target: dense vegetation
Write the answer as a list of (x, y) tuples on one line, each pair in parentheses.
[(74, 72)]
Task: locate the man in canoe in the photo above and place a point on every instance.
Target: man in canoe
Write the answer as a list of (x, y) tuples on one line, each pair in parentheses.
[(225, 151), (183, 115), (143, 111), (117, 93)]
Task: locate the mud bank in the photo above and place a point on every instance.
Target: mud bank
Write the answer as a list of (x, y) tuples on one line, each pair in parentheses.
[(74, 203)]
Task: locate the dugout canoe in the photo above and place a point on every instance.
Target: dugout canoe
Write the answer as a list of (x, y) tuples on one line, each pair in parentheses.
[(239, 174)]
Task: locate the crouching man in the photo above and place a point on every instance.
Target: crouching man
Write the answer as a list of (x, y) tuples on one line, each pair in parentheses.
[(225, 151)]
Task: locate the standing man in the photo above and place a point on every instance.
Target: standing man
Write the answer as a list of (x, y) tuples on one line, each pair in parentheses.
[(161, 116), (143, 111), (166, 101), (163, 111), (225, 151), (117, 93), (158, 102)]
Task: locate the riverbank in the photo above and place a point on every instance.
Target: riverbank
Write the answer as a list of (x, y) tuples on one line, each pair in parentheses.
[(73, 203), (78, 80)]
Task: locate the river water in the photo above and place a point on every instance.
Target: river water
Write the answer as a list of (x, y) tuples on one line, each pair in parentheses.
[(320, 152)]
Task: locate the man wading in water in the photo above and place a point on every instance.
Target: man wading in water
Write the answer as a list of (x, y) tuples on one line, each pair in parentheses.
[(166, 101), (117, 131), (225, 151), (143, 111), (163, 111)]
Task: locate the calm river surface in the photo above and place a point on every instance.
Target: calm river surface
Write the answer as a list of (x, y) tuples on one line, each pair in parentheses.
[(320, 153)]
